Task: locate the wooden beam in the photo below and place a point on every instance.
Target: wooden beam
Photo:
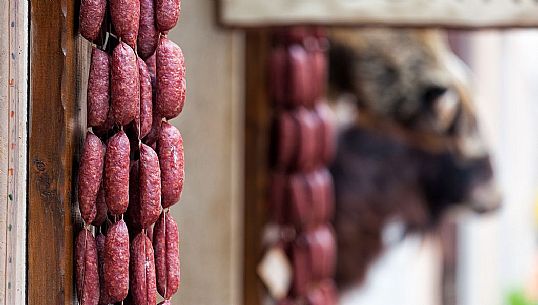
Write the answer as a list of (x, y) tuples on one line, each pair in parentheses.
[(13, 149), (257, 124), (415, 13), (58, 58)]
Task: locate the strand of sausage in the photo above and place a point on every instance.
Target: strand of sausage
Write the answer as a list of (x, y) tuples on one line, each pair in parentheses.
[(146, 100), (150, 186), (167, 14), (143, 285), (98, 88), (171, 159), (104, 299), (148, 35), (125, 103), (170, 71), (92, 13), (166, 246), (87, 277), (89, 177), (116, 262), (117, 173), (125, 16)]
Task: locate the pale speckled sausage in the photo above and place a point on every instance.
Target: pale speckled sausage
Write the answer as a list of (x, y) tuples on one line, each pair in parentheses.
[(100, 242), (98, 97), (117, 173), (86, 268), (143, 286), (125, 95), (92, 13), (146, 100), (171, 158), (167, 14), (166, 246), (148, 35), (150, 186), (100, 204), (125, 16), (89, 176), (116, 262), (171, 84)]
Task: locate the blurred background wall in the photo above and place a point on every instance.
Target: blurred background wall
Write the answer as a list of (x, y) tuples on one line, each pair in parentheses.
[(209, 214)]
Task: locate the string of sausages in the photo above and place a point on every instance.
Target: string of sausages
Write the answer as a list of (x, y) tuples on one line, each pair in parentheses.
[(132, 164), (302, 145)]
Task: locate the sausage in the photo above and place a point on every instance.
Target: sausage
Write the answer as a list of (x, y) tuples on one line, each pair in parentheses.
[(150, 186), (133, 210), (125, 15), (92, 14), (100, 204), (308, 126), (98, 88), (146, 111), (167, 14), (143, 285), (284, 140), (86, 268), (100, 242), (117, 173), (89, 176), (327, 132), (148, 35), (170, 68), (171, 159), (298, 75), (166, 246), (125, 101), (116, 262)]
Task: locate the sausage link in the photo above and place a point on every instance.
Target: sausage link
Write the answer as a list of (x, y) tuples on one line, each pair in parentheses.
[(100, 204), (150, 186), (166, 246), (146, 100), (167, 14), (98, 88), (170, 68), (171, 158), (125, 16), (133, 211), (117, 173), (143, 285), (148, 35), (125, 102), (86, 268), (92, 14), (89, 176), (104, 299), (116, 262)]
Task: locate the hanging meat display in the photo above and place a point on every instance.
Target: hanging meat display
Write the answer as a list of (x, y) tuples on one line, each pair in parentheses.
[(302, 146), (132, 167)]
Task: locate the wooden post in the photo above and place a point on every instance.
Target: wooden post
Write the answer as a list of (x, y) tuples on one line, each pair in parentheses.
[(257, 124), (58, 61), (13, 148)]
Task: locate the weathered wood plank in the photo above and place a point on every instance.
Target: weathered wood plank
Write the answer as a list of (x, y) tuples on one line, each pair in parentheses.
[(15, 282), (450, 13), (55, 130), (13, 149)]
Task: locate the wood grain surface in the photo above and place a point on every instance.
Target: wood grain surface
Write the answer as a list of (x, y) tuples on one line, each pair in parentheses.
[(58, 60)]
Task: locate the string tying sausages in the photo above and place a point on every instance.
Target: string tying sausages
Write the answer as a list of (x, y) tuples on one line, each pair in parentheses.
[(132, 164)]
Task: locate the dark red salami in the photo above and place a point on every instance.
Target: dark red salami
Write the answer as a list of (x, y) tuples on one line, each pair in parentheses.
[(92, 13), (150, 186), (117, 173), (125, 16), (167, 13), (87, 278), (98, 95), (171, 85), (116, 262), (170, 151), (166, 246), (125, 102), (89, 176), (148, 35)]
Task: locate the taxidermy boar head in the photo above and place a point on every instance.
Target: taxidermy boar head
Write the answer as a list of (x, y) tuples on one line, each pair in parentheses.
[(413, 151)]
